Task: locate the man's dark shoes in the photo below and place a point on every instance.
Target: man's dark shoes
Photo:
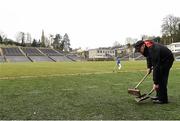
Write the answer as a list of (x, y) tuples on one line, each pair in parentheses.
[(154, 98), (159, 102)]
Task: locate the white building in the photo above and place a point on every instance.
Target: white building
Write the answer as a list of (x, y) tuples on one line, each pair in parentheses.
[(101, 53), (174, 47)]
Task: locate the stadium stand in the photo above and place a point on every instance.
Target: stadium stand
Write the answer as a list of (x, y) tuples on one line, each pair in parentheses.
[(141, 57), (60, 51), (1, 59), (40, 58), (27, 54), (74, 57), (50, 52), (138, 56), (1, 52), (12, 51), (1, 56), (35, 54), (13, 54), (177, 56), (17, 59), (55, 55), (125, 57), (133, 56), (60, 58), (31, 51)]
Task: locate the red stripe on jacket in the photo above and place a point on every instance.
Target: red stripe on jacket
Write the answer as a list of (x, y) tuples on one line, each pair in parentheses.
[(149, 43)]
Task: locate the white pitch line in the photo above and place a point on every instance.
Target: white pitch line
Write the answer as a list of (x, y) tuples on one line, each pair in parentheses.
[(92, 87), (117, 84), (68, 89), (54, 75), (35, 92)]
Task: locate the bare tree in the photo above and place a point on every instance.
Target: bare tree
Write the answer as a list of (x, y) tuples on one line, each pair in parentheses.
[(170, 27), (130, 40), (20, 38), (66, 42), (116, 44), (43, 39), (3, 36), (28, 38), (57, 41)]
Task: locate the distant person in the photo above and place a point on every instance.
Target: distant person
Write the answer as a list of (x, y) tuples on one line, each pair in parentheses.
[(118, 62), (117, 65), (160, 60)]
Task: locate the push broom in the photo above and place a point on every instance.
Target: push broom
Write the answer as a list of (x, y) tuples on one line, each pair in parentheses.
[(135, 91), (144, 97)]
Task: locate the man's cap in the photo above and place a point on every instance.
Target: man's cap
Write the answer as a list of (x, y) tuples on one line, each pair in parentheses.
[(137, 45)]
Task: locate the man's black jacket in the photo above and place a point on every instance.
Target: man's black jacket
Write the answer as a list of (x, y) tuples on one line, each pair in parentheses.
[(158, 57)]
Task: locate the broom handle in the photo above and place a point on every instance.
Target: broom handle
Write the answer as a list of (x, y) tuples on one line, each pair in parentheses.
[(141, 80), (152, 90)]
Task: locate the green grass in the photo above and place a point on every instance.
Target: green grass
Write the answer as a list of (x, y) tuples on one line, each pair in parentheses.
[(81, 90)]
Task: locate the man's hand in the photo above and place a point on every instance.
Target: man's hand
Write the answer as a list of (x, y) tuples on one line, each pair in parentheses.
[(149, 70), (156, 87)]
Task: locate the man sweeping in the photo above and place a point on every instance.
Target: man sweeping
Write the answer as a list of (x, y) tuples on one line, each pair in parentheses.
[(159, 59)]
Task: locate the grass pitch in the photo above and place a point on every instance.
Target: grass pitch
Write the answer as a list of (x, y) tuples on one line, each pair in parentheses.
[(81, 90)]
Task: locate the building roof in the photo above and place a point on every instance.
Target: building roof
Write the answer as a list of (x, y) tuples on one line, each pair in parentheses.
[(175, 43)]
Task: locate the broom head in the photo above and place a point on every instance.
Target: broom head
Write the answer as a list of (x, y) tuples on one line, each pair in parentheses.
[(134, 92), (139, 99)]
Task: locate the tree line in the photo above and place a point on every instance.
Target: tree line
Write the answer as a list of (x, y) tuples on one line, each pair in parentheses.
[(170, 30), (24, 39)]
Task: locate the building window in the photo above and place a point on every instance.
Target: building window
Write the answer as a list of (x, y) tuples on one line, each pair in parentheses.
[(177, 45)]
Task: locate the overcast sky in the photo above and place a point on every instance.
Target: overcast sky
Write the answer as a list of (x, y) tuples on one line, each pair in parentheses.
[(89, 23)]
